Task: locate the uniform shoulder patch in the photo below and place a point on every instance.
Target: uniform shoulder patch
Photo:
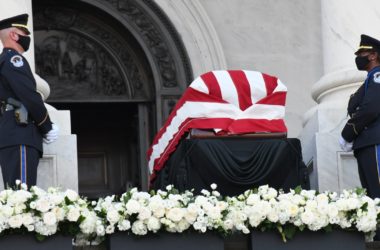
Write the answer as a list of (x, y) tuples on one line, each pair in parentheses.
[(18, 62), (376, 77)]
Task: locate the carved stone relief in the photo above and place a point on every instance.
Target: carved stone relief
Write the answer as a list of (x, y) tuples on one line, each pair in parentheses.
[(84, 60)]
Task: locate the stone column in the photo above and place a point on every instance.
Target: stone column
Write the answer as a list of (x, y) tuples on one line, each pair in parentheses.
[(343, 21), (59, 165)]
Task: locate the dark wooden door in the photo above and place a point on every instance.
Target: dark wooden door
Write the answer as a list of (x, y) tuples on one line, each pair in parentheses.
[(108, 151)]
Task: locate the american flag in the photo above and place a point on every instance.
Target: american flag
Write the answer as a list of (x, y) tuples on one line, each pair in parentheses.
[(228, 101)]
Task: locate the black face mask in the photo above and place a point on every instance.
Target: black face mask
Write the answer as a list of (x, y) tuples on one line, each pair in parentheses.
[(24, 42), (361, 62)]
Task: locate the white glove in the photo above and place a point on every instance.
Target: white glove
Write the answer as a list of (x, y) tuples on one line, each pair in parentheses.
[(345, 145), (52, 135)]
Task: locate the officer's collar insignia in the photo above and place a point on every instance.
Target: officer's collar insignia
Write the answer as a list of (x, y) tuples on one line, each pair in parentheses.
[(376, 77), (17, 61)]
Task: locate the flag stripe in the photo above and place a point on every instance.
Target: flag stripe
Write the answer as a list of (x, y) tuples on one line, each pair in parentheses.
[(258, 90), (212, 84), (270, 83), (200, 85), (242, 86), (229, 92)]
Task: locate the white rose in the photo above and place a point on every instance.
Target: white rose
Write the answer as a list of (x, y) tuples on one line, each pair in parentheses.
[(307, 217), (20, 196), (73, 214), (273, 216), (191, 217), (88, 225), (271, 193), (144, 213), (57, 199), (71, 195), (7, 210), (292, 210), (182, 226), (153, 224), (19, 208), (139, 228), (27, 219), (322, 198), (213, 186), (113, 216), (353, 203), (15, 221), (124, 225), (175, 214), (132, 207), (43, 205), (157, 206), (59, 213), (49, 218), (253, 199), (332, 211)]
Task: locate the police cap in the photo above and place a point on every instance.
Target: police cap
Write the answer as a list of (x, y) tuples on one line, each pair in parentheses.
[(368, 43), (19, 21)]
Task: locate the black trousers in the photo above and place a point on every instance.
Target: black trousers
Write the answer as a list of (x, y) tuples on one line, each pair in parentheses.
[(19, 163), (369, 169)]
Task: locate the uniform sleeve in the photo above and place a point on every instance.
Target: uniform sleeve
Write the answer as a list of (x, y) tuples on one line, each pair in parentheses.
[(355, 100), (22, 83), (366, 112)]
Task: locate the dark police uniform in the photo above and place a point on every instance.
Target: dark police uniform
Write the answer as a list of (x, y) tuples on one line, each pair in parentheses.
[(363, 127), (20, 145)]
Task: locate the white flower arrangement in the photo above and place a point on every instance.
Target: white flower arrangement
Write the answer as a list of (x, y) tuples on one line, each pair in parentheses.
[(262, 209), (41, 212), (53, 211)]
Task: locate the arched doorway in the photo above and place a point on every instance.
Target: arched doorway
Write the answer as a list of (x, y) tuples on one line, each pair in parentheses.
[(118, 66)]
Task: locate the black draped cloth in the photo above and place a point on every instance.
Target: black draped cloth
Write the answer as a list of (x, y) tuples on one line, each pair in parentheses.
[(234, 164)]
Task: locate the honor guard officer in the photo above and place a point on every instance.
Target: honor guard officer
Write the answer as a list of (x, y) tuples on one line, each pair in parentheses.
[(24, 120), (362, 131)]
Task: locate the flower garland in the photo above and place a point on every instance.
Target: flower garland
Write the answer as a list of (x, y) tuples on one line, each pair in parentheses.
[(53, 211)]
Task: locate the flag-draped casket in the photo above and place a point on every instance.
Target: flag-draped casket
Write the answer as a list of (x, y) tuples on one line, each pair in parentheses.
[(228, 101)]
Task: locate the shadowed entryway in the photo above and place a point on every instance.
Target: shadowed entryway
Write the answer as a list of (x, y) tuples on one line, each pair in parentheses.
[(119, 67)]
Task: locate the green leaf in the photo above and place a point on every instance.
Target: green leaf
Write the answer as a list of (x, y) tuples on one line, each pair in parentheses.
[(40, 237), (298, 189), (290, 231)]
